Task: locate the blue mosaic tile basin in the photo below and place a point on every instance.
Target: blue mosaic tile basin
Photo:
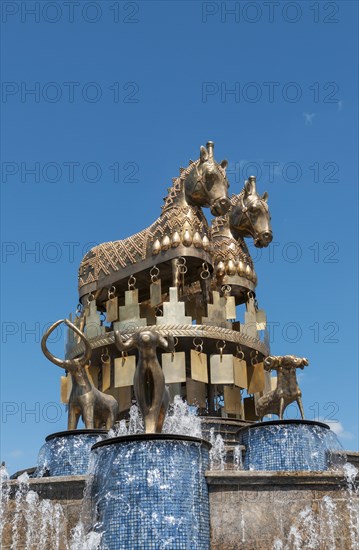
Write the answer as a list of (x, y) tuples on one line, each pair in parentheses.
[(150, 492), (289, 445), (67, 453)]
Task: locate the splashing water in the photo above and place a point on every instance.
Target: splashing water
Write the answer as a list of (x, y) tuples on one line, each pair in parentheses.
[(217, 454), (135, 425), (329, 522), (313, 531), (350, 474), (41, 524), (4, 497), (42, 462), (82, 540), (237, 458), (181, 419), (86, 536)]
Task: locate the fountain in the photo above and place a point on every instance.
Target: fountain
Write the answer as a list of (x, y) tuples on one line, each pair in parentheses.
[(172, 454)]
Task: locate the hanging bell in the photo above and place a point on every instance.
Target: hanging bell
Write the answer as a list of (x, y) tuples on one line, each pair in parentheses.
[(205, 243), (166, 243), (187, 238), (220, 269), (156, 247), (231, 268), (176, 239), (197, 241)]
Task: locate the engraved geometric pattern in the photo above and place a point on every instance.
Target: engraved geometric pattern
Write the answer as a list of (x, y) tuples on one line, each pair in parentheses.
[(101, 259)]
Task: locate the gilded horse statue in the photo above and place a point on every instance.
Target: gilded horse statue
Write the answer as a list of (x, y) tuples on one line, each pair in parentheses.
[(97, 409), (248, 216), (180, 231)]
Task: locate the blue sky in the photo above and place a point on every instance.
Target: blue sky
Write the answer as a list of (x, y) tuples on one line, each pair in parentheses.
[(124, 94)]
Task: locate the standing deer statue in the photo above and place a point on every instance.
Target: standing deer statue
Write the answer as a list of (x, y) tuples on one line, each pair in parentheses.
[(97, 409), (151, 393), (287, 390)]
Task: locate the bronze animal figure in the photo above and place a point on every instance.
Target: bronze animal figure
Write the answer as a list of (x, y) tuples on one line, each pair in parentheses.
[(97, 409), (248, 216), (151, 393), (180, 230), (287, 390)]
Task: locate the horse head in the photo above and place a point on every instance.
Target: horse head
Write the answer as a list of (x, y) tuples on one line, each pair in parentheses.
[(250, 216), (207, 185)]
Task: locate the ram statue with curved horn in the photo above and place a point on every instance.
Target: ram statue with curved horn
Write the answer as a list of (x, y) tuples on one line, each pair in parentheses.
[(97, 409)]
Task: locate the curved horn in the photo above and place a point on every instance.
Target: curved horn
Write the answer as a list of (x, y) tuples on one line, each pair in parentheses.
[(67, 364)]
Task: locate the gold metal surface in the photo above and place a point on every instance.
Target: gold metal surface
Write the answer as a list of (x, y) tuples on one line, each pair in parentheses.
[(151, 394), (173, 311), (221, 368), (97, 409), (256, 378), (287, 390), (232, 401), (199, 370), (217, 312), (125, 368), (106, 375), (240, 372), (202, 184), (196, 393), (155, 293), (180, 279), (112, 309), (174, 367)]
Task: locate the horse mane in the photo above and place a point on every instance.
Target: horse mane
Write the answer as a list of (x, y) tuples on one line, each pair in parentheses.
[(221, 221), (177, 184), (235, 198)]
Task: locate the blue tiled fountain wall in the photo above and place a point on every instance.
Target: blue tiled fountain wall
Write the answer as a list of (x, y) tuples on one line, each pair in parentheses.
[(151, 493), (67, 453), (290, 445)]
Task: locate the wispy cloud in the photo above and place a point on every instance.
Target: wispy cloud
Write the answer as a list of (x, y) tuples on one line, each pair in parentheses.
[(338, 428), (308, 117), (16, 453)]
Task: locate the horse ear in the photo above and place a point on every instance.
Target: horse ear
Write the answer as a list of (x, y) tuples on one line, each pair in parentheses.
[(265, 196), (250, 185), (203, 154), (224, 164), (247, 187)]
